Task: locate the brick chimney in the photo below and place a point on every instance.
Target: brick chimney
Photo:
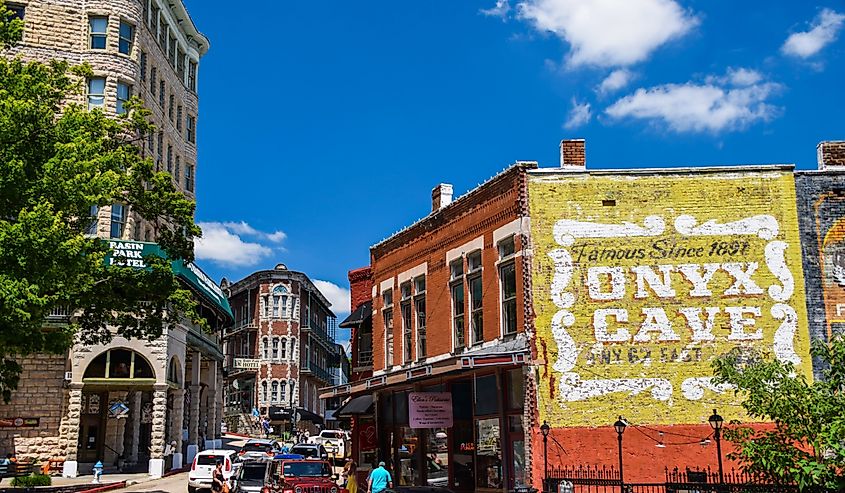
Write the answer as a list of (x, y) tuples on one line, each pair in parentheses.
[(573, 154), (831, 154), (441, 196)]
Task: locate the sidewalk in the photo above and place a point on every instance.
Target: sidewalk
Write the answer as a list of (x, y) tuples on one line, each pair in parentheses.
[(130, 479)]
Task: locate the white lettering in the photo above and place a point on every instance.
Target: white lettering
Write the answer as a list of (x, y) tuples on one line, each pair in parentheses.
[(742, 272), (617, 283), (699, 281), (701, 332), (739, 323), (600, 325), (646, 275), (656, 321)]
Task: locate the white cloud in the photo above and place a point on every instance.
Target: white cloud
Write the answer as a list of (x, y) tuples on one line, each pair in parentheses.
[(609, 33), (616, 80), (824, 30), (243, 228), (501, 9), (579, 115), (222, 244), (337, 296), (724, 103)]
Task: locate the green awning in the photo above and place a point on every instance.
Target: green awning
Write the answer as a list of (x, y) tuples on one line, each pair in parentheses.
[(132, 253)]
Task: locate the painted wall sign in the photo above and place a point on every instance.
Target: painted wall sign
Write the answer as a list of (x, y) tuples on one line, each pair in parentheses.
[(430, 409), (641, 280), (19, 422)]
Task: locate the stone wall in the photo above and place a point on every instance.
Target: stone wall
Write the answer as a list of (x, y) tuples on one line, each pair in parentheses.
[(41, 394)]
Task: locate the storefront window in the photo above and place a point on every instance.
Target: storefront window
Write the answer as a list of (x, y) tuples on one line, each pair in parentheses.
[(488, 452), (437, 458), (409, 470), (517, 451), (463, 442), (486, 395), (516, 389)]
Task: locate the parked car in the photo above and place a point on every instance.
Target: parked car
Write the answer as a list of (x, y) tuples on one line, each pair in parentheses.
[(252, 476), (310, 451), (335, 442), (258, 448), (199, 477), (418, 489), (312, 476)]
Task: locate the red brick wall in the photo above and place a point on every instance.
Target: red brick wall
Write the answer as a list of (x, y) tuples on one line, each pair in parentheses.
[(486, 209), (360, 291)]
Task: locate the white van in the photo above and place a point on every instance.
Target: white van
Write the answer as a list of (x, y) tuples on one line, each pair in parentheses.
[(202, 468)]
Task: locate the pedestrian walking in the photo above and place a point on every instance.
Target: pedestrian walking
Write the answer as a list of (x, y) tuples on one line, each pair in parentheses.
[(380, 479), (350, 470)]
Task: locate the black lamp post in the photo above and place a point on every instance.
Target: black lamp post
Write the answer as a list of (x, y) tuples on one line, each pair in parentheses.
[(716, 423), (544, 429), (620, 426)]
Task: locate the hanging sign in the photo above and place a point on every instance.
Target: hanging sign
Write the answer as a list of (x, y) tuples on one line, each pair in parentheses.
[(430, 409)]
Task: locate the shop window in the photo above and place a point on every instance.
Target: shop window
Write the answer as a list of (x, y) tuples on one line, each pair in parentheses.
[(517, 452), (516, 389), (463, 442), (488, 453), (486, 395), (437, 457), (507, 278), (409, 470)]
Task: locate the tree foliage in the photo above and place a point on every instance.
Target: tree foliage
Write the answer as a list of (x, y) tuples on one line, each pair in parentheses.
[(806, 444), (57, 160)]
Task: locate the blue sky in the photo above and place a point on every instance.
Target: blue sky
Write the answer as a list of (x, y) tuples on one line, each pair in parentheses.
[(324, 126)]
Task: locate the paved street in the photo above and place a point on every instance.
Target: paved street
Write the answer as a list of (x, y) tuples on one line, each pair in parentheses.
[(177, 482)]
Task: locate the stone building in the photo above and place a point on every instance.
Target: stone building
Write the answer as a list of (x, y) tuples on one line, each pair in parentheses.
[(122, 403), (627, 284), (279, 351)]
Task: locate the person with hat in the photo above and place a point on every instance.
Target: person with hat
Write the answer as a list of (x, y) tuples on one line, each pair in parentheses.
[(380, 479)]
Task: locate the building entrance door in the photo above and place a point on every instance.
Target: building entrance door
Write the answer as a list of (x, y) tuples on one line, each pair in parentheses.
[(91, 434)]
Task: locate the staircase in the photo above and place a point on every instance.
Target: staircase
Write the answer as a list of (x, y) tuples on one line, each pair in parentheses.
[(243, 424)]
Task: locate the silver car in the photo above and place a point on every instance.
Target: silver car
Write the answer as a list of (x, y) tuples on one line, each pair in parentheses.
[(252, 476), (258, 448)]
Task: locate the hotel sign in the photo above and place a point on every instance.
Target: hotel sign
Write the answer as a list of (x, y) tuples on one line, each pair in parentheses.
[(246, 364)]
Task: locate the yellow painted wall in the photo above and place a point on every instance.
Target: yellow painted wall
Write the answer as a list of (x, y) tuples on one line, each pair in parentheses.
[(603, 248)]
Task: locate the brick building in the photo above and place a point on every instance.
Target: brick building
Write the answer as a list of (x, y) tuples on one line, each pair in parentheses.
[(627, 284), (279, 351), (171, 385)]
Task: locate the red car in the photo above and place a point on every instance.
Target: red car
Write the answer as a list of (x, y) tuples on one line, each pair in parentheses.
[(301, 476)]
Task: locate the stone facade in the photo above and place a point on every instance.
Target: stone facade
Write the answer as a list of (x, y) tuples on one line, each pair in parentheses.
[(42, 375)]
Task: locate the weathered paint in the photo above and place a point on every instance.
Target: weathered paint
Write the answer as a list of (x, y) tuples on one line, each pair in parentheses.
[(640, 280)]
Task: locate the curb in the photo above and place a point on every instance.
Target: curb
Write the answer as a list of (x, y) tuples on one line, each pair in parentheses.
[(239, 435), (108, 487)]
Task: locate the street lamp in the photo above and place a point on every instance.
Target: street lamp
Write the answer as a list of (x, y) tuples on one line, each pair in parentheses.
[(716, 422), (544, 429), (620, 426)]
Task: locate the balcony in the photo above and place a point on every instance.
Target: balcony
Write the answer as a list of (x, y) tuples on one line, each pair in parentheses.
[(240, 326), (59, 314), (312, 369)]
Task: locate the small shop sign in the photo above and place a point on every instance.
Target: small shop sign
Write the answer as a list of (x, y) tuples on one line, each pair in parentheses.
[(246, 364), (430, 409), (19, 422)]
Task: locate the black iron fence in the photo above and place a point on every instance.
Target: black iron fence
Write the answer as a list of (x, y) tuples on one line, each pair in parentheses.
[(604, 479)]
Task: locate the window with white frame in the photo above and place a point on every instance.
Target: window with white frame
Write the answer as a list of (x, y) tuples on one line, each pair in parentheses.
[(476, 305), (282, 389), (265, 348), (456, 268), (96, 92), (507, 281), (283, 354), (118, 220), (387, 314), (275, 348), (264, 391), (419, 308), (98, 27), (407, 321), (274, 392)]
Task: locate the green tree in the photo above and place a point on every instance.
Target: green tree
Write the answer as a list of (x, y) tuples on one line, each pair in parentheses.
[(806, 443), (57, 160)]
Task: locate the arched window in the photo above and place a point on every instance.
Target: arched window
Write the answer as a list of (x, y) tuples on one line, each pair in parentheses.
[(174, 372), (274, 394), (282, 387), (275, 348), (265, 353), (278, 291), (264, 391), (123, 364), (283, 354)]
